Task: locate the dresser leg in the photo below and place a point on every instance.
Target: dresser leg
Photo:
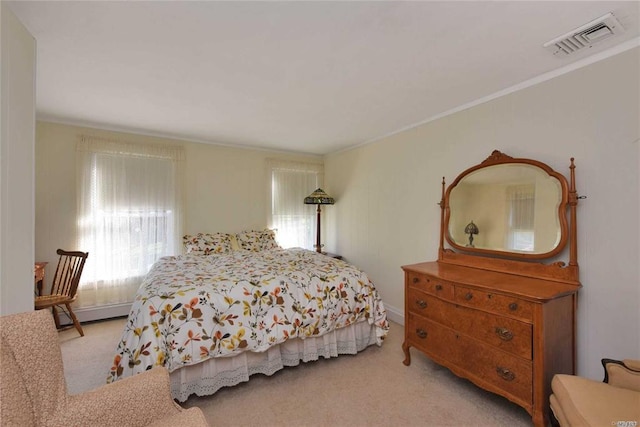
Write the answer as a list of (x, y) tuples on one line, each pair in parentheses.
[(538, 419), (407, 355)]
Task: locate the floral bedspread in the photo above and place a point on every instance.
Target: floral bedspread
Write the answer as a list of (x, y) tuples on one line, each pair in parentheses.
[(190, 308)]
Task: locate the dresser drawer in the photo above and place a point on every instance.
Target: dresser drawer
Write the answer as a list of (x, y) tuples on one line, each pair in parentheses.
[(502, 332), (426, 305), (433, 338), (430, 284), (496, 303), (509, 373)]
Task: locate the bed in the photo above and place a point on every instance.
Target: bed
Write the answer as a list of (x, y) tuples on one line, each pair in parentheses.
[(223, 312)]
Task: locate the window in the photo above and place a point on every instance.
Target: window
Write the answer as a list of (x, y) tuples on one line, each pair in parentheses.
[(291, 182), (521, 205), (129, 215)]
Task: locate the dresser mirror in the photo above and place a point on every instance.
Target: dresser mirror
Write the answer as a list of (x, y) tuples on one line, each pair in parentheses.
[(509, 207)]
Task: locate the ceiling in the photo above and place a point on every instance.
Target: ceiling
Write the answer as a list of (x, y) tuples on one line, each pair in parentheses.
[(308, 77)]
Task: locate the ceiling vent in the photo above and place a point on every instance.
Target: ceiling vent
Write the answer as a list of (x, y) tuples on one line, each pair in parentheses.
[(585, 36)]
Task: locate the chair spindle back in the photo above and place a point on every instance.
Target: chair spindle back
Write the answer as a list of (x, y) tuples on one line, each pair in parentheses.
[(68, 272)]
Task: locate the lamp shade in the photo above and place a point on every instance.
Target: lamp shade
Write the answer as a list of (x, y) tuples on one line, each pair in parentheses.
[(471, 228), (319, 197)]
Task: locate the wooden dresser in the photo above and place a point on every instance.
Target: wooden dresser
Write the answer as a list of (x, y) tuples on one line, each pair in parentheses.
[(506, 333), (507, 325)]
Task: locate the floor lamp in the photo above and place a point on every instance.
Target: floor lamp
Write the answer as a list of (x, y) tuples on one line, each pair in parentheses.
[(318, 197)]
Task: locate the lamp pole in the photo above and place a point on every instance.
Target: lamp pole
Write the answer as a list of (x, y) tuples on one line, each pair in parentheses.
[(318, 245)]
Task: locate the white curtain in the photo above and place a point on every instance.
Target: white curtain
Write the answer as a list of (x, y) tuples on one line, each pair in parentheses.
[(521, 216), (129, 214), (291, 182)]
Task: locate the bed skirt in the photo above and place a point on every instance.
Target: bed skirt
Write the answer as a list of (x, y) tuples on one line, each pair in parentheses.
[(208, 377)]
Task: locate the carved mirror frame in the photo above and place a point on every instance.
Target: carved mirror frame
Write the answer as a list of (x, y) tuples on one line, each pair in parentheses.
[(524, 263)]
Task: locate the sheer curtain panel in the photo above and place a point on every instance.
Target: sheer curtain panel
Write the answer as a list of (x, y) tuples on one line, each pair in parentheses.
[(521, 204), (291, 182), (129, 215)]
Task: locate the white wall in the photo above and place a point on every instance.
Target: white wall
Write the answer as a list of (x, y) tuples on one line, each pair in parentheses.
[(17, 126), (225, 188), (386, 213)]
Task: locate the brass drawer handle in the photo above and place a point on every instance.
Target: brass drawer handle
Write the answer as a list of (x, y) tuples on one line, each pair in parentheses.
[(416, 279), (421, 303), (513, 306), (468, 296), (438, 287), (421, 333), (505, 374), (504, 334)]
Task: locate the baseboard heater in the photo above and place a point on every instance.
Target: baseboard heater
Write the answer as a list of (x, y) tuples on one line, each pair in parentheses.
[(102, 312)]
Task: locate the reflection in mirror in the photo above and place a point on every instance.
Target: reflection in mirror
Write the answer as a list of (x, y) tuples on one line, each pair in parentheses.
[(514, 208)]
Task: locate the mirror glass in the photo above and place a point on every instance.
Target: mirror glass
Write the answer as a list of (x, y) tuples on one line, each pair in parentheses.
[(506, 207)]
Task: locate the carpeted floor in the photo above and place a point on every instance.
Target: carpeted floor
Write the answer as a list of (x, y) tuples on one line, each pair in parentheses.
[(373, 388)]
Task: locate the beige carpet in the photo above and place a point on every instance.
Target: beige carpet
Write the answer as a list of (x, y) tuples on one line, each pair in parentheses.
[(372, 388)]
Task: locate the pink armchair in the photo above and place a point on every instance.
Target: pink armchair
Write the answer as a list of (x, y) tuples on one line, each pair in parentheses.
[(33, 390)]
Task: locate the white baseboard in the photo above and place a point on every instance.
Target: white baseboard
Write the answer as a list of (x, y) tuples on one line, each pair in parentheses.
[(89, 314), (394, 314)]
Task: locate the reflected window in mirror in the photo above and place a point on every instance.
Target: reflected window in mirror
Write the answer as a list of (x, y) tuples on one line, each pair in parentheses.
[(521, 229)]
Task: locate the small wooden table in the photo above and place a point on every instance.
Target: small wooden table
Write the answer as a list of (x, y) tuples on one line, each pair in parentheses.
[(38, 271)]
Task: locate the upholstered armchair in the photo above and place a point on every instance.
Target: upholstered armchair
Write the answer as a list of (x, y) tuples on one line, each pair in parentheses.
[(33, 390), (582, 402)]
